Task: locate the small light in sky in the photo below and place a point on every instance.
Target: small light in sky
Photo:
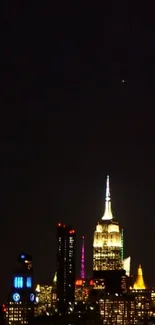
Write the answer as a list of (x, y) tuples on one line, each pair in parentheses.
[(123, 81)]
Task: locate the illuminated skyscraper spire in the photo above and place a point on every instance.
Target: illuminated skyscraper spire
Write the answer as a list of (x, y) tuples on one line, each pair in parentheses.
[(139, 283), (107, 212), (82, 260)]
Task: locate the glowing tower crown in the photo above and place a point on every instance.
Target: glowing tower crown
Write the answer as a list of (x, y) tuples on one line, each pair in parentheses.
[(139, 283)]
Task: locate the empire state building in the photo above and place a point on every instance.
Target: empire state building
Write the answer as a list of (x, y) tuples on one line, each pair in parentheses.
[(107, 244)]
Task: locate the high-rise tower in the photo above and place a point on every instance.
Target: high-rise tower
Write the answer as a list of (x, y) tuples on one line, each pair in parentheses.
[(65, 268), (20, 307), (107, 250), (107, 245)]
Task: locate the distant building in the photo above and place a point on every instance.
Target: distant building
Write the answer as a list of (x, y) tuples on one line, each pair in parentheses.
[(115, 309), (65, 268), (43, 299), (114, 281), (108, 251), (82, 289), (139, 283), (54, 293), (120, 300), (20, 306), (107, 245), (75, 318), (136, 306)]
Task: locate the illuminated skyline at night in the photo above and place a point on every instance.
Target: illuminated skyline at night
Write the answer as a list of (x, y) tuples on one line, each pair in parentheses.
[(77, 102)]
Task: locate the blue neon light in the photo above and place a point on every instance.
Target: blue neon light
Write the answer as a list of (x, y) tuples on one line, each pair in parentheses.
[(16, 297), (22, 256), (29, 282), (32, 297), (18, 282)]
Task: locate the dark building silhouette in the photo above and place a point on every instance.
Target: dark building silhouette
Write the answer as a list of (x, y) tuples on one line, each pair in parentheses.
[(85, 318), (2, 314), (65, 268), (113, 281), (20, 307)]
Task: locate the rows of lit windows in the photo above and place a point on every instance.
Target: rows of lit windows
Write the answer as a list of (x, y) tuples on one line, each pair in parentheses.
[(17, 313), (115, 312)]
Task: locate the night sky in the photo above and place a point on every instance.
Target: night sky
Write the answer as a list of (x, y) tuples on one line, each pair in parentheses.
[(66, 120)]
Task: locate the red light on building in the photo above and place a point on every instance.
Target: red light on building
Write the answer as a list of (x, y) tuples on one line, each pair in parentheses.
[(86, 292), (82, 237), (59, 224), (3, 308), (91, 282), (78, 282), (72, 231)]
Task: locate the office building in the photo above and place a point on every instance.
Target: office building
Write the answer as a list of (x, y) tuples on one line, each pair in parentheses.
[(20, 306), (65, 268), (107, 245), (108, 251), (43, 299)]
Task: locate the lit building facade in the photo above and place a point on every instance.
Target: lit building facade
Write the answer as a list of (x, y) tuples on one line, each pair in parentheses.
[(144, 299), (54, 293), (115, 309), (82, 289), (65, 268), (107, 244), (135, 306), (108, 251), (43, 299), (82, 285), (20, 307), (120, 300)]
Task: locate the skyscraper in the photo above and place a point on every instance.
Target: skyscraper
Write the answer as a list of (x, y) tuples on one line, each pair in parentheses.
[(107, 249), (65, 268), (43, 299), (107, 245), (20, 307)]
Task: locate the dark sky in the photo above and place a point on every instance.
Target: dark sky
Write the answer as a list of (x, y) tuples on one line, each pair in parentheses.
[(66, 120)]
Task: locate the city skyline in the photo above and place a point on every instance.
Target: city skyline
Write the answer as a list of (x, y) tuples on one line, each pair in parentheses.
[(77, 98), (107, 213), (77, 101)]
